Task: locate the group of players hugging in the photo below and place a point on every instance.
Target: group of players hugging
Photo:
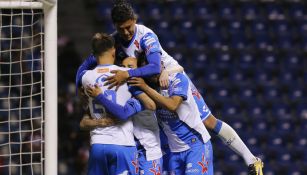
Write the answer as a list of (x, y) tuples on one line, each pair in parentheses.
[(144, 114)]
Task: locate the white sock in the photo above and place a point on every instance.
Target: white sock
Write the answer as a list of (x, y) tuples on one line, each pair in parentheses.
[(232, 140)]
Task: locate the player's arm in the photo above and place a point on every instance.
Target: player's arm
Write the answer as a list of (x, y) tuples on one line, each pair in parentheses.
[(88, 64), (146, 101), (164, 77), (150, 44), (131, 107), (87, 123), (178, 94)]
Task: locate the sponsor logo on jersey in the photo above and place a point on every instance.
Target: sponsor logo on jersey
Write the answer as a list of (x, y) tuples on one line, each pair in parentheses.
[(205, 108), (149, 41), (103, 70)]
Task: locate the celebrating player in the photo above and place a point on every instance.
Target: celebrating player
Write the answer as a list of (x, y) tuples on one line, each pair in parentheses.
[(113, 148), (133, 39)]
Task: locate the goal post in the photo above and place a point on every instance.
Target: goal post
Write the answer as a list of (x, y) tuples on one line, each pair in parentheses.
[(51, 93), (48, 89)]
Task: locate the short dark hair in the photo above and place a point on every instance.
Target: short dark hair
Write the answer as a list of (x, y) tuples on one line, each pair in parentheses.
[(101, 42), (122, 12)]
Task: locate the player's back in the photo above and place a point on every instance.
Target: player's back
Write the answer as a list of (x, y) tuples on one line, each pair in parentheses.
[(122, 133)]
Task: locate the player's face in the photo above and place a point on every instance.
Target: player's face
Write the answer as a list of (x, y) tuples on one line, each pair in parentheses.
[(130, 62), (126, 29)]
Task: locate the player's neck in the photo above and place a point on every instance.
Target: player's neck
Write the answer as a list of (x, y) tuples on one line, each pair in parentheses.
[(105, 59)]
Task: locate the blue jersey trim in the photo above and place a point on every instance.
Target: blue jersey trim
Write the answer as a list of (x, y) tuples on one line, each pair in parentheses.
[(217, 127)]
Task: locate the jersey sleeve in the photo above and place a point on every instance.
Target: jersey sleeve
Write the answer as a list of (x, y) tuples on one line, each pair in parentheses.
[(88, 64), (132, 106), (150, 43), (179, 86)]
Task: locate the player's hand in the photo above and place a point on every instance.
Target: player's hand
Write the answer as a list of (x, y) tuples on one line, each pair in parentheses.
[(93, 91), (118, 79), (163, 80), (138, 82), (83, 97), (107, 121)]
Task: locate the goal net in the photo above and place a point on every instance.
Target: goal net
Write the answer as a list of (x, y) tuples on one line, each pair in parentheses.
[(22, 88)]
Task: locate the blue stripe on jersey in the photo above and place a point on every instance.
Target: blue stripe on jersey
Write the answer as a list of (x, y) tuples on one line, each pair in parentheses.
[(179, 86), (201, 104), (150, 43)]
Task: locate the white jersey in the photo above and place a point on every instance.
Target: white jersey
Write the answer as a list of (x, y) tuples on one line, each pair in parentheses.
[(145, 40), (183, 128), (120, 134), (146, 130)]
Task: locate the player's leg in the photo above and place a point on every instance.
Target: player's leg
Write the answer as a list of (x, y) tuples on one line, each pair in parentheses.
[(151, 167), (176, 163), (122, 160), (97, 163), (225, 132), (199, 160), (230, 137)]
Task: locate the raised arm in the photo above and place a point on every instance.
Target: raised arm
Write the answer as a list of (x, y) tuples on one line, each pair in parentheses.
[(150, 44)]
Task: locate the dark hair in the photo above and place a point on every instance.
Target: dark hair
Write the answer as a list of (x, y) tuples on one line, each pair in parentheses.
[(101, 42), (141, 59), (122, 12)]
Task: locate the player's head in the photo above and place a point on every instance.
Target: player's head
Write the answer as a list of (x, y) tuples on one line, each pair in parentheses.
[(103, 45), (130, 62), (124, 19)]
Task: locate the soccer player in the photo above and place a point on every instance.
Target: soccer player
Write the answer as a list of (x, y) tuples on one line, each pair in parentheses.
[(133, 39), (113, 148), (178, 116)]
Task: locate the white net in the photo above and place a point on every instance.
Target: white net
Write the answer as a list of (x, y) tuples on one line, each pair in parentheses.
[(21, 91)]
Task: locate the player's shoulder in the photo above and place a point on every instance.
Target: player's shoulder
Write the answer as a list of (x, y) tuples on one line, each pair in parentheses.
[(178, 77), (115, 67), (143, 30)]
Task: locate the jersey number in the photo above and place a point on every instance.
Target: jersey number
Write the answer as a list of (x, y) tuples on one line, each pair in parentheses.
[(98, 108)]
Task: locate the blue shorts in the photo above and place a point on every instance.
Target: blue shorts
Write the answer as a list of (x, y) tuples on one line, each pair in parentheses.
[(166, 159), (108, 159), (195, 161), (152, 167)]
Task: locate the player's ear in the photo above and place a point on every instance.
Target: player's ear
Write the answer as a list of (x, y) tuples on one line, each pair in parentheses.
[(113, 52)]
